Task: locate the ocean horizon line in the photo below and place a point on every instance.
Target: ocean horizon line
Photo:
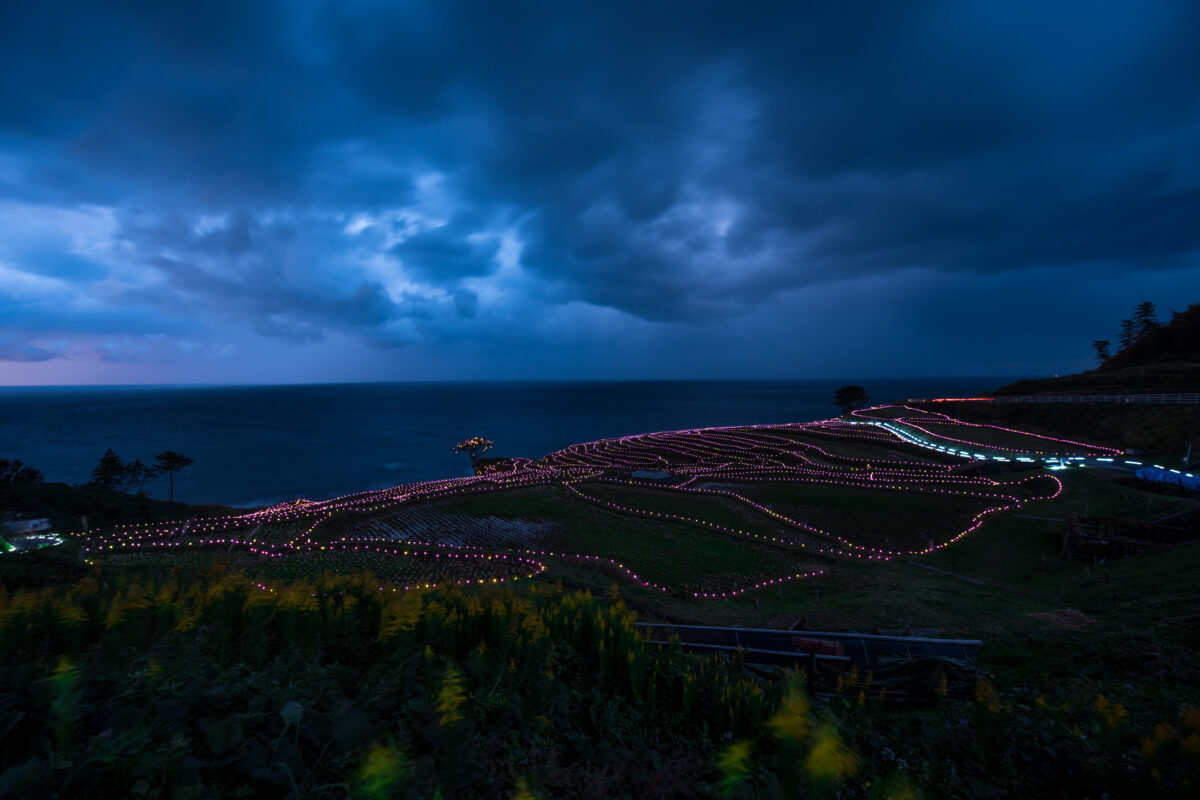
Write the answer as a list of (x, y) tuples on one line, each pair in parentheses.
[(499, 382)]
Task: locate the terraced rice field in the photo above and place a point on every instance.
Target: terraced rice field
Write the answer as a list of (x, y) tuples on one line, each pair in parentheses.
[(732, 509)]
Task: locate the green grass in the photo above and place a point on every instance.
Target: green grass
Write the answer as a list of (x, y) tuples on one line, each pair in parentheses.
[(718, 510), (969, 436), (1159, 429), (870, 517), (840, 446), (680, 555)]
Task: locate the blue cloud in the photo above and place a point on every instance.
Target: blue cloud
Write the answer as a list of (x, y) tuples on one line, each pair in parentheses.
[(309, 171)]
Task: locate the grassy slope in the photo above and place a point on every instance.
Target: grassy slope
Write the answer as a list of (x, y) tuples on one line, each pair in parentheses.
[(65, 505), (1163, 377), (679, 554), (1161, 430)]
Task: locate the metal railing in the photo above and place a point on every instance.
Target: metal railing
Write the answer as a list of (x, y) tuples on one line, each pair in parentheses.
[(1163, 399), (863, 649)]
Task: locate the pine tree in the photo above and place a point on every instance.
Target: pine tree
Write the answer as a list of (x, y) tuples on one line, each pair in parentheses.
[(1103, 353), (850, 397), (109, 472), (136, 475), (1129, 333), (1144, 318), (171, 462)]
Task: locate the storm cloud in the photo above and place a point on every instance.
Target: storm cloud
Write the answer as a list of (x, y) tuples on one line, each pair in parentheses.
[(539, 184)]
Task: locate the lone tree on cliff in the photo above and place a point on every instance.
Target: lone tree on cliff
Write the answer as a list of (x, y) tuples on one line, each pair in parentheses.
[(850, 397), (474, 447), (171, 462)]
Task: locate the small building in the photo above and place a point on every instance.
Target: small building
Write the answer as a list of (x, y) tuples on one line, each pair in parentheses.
[(25, 527)]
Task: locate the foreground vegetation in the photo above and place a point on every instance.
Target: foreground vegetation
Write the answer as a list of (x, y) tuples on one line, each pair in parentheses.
[(204, 684)]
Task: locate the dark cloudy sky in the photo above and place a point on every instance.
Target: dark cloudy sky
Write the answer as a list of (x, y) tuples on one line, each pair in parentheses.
[(304, 191)]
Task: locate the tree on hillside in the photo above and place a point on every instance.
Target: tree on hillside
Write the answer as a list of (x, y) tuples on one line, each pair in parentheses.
[(1103, 353), (170, 462), (16, 472), (1144, 318), (110, 472), (136, 475), (474, 447), (1128, 333), (850, 397)]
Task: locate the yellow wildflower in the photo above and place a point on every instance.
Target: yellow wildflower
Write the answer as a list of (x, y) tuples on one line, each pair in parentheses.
[(382, 769), (791, 720), (1113, 713), (71, 613), (451, 697), (523, 792), (115, 615), (734, 764), (829, 760)]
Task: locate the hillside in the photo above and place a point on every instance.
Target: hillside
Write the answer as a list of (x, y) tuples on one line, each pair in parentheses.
[(1159, 429), (66, 505), (1164, 359), (1177, 342)]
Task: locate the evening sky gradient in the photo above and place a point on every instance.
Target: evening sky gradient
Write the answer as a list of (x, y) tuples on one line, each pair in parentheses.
[(298, 191)]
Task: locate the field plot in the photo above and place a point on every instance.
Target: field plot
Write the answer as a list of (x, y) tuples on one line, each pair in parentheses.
[(844, 445), (878, 518), (551, 522), (988, 437), (940, 429), (739, 520), (399, 567)]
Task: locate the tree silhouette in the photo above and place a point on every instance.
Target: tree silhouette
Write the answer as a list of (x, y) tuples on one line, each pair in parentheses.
[(850, 397), (171, 462), (1103, 353), (1144, 318), (136, 475), (109, 472), (474, 447), (1128, 333), (17, 472)]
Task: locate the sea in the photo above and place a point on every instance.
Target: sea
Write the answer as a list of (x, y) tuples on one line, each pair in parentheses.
[(259, 445)]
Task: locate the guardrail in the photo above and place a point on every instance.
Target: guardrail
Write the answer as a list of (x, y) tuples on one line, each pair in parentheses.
[(863, 649), (1164, 399), (907, 668)]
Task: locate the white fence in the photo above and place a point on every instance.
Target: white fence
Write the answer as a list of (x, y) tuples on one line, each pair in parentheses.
[(1163, 399)]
